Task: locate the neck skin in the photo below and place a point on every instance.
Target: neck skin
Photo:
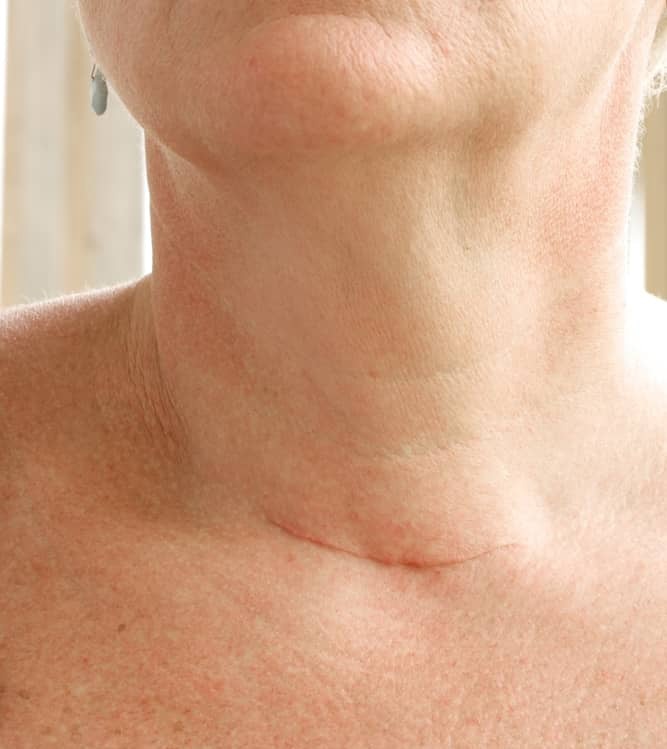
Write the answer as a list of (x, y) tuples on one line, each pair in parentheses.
[(404, 354)]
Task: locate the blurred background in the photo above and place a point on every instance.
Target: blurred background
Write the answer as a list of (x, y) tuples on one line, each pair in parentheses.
[(73, 187)]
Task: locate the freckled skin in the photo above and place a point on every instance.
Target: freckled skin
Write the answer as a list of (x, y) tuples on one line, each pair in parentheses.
[(384, 280)]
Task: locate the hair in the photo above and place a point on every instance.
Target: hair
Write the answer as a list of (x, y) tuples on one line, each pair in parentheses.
[(655, 84), (656, 81)]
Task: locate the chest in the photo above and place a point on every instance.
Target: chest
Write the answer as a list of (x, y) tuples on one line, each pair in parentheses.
[(123, 638)]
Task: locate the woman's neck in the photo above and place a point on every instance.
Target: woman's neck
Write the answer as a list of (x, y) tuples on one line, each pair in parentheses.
[(406, 353)]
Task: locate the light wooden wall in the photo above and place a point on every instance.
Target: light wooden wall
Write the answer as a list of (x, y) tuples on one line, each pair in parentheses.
[(654, 177), (73, 181)]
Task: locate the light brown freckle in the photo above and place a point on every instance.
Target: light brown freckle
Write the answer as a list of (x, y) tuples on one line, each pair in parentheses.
[(178, 726), (47, 730), (121, 627), (24, 694), (75, 732)]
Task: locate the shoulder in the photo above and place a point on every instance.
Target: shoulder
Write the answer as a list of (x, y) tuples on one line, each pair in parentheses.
[(50, 355), (633, 443), (645, 426), (648, 332), (647, 336)]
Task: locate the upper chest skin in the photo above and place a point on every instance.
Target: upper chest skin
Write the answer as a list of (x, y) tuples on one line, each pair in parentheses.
[(122, 626), (120, 632)]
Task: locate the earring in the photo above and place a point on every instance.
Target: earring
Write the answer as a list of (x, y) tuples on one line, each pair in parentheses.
[(99, 91)]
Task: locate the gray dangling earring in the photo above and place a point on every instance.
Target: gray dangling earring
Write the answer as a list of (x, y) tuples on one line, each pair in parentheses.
[(99, 91)]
